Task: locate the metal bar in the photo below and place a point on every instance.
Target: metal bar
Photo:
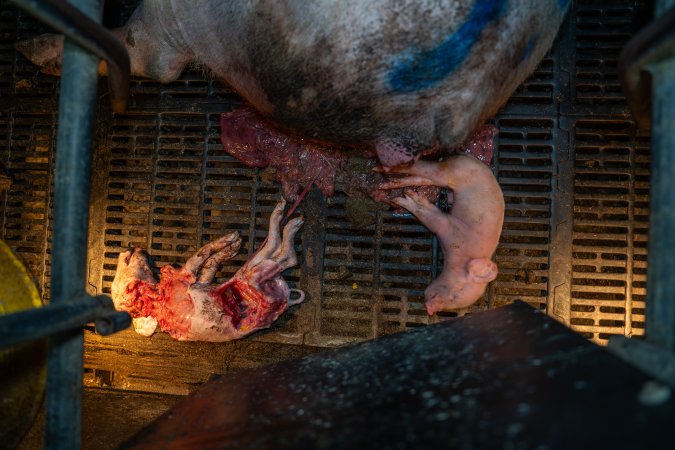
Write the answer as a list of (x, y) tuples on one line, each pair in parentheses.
[(56, 318), (562, 204), (559, 299), (654, 43), (660, 323), (660, 320), (63, 404), (311, 271), (662, 6), (90, 35), (650, 358)]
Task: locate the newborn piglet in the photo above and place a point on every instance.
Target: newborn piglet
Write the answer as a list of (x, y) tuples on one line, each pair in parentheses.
[(187, 306), (468, 235)]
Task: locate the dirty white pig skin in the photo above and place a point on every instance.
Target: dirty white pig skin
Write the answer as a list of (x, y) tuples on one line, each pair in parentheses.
[(187, 305), (468, 236), (395, 76)]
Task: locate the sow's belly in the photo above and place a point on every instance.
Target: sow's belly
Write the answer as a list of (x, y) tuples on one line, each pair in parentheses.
[(399, 77)]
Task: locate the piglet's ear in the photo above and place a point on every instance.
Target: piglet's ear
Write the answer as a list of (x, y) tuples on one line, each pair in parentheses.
[(482, 270)]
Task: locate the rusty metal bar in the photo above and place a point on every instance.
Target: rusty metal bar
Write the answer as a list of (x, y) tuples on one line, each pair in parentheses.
[(55, 318), (660, 320), (63, 403), (90, 35), (639, 58), (650, 58), (63, 400)]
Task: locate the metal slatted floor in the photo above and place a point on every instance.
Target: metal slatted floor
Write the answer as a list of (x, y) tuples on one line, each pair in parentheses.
[(573, 167)]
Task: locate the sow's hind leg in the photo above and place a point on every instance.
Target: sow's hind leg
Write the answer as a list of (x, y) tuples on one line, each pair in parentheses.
[(44, 51), (151, 37)]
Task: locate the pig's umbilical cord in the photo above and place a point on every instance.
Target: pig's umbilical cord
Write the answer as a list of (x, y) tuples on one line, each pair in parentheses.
[(292, 209), (297, 202)]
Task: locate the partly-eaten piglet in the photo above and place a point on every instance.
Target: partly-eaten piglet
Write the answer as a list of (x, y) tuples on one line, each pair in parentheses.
[(468, 236), (188, 307)]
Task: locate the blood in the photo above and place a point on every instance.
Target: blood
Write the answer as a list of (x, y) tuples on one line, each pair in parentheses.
[(229, 298), (167, 301), (481, 144), (174, 305), (248, 307), (298, 162), (139, 298)]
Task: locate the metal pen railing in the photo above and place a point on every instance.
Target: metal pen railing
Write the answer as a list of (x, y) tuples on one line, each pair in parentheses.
[(70, 307), (647, 72)]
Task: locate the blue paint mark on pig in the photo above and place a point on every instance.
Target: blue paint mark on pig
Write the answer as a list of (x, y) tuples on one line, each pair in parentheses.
[(420, 69), (330, 74)]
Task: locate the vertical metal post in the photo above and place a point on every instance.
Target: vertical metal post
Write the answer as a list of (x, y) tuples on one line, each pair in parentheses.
[(660, 323), (63, 410)]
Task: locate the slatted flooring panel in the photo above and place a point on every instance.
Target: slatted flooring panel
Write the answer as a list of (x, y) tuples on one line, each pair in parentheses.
[(610, 223), (162, 182)]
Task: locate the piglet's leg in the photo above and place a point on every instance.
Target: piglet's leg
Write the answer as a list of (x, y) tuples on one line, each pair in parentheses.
[(427, 213), (273, 241), (211, 266), (216, 260), (44, 51), (208, 259), (422, 173), (285, 255), (224, 246)]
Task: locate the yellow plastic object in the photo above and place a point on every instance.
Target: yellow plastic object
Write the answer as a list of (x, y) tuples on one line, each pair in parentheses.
[(17, 290), (22, 368)]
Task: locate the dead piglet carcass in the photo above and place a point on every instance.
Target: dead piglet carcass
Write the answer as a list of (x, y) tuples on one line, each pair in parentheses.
[(187, 306), (468, 236), (392, 77)]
